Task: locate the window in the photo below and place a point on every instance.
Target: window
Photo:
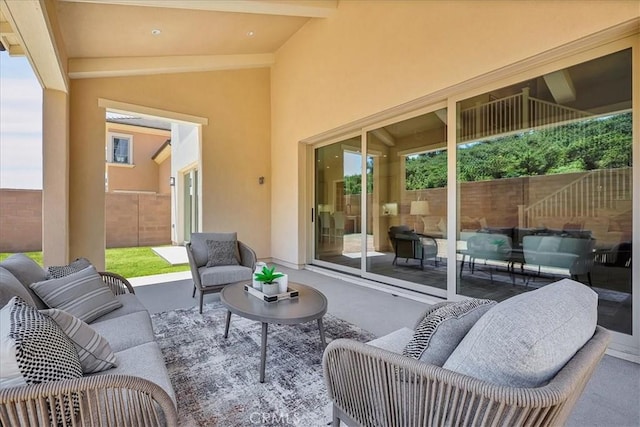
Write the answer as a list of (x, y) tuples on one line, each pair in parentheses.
[(120, 149)]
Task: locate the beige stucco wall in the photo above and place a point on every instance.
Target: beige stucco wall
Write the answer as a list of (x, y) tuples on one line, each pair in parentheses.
[(235, 149), (371, 56), (144, 176)]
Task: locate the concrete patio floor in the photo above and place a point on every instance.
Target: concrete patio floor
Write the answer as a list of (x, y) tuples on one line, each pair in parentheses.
[(612, 397)]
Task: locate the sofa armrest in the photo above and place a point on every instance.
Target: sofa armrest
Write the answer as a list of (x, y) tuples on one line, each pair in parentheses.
[(247, 256), (370, 386), (118, 284), (195, 274), (104, 400)]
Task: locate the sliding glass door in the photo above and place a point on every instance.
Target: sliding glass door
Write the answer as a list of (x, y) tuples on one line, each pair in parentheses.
[(545, 187)]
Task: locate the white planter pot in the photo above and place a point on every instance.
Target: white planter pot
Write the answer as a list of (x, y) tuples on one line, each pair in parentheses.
[(271, 288), (284, 283)]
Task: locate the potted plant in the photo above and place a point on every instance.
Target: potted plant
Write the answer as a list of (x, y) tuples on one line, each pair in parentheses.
[(268, 277)]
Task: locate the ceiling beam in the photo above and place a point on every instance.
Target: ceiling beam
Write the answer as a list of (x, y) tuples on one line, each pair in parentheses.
[(83, 68), (561, 86), (384, 136), (32, 28), (306, 8)]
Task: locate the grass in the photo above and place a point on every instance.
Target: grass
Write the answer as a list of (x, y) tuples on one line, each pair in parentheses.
[(128, 262)]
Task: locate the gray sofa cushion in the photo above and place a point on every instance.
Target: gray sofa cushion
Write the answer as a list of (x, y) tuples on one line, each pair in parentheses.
[(224, 274), (11, 287), (440, 332), (130, 304), (126, 331), (82, 294), (199, 245), (395, 341), (144, 361), (525, 340), (27, 271)]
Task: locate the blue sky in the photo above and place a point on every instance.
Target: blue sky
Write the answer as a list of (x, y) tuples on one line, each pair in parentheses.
[(20, 124)]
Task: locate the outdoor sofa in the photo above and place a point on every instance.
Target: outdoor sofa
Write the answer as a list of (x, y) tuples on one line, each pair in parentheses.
[(522, 362), (136, 392)]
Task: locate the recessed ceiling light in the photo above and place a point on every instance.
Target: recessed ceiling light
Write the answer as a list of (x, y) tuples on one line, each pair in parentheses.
[(155, 32), (251, 33)]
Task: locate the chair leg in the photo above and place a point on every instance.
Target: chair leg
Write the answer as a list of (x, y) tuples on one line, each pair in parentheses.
[(193, 295), (201, 300)]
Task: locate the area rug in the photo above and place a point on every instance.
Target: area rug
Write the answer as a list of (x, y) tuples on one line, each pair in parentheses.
[(216, 379)]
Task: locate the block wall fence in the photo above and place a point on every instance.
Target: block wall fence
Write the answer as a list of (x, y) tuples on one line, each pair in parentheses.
[(132, 219)]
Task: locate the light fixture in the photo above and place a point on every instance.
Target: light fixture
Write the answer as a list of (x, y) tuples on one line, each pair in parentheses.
[(419, 208), (155, 32), (172, 181), (251, 33)]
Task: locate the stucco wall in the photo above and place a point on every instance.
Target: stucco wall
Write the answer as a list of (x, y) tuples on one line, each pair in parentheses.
[(371, 56), (235, 148), (144, 175)]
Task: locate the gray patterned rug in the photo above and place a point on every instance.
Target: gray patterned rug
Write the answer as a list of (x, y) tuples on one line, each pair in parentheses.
[(216, 380)]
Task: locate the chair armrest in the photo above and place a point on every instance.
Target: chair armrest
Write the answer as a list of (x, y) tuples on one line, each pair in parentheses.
[(104, 400), (195, 274), (118, 284), (248, 256), (376, 387)]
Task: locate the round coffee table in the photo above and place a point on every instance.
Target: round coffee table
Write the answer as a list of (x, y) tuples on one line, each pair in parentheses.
[(309, 305)]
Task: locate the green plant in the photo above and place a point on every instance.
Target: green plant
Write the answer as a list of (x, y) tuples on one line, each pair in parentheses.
[(268, 275)]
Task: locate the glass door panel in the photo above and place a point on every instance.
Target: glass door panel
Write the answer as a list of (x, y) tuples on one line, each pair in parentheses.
[(407, 202), (337, 204), (545, 186)]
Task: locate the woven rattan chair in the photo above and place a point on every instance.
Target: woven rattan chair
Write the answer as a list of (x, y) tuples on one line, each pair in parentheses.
[(370, 386), (102, 400)]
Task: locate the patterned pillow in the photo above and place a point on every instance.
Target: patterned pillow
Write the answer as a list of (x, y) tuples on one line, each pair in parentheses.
[(34, 350), (82, 294), (442, 329), (58, 271), (222, 253), (93, 349)]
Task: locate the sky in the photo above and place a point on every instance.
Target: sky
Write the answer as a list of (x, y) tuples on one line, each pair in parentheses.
[(20, 124)]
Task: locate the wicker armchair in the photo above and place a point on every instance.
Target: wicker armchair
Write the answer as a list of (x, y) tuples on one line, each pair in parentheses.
[(102, 400), (370, 386)]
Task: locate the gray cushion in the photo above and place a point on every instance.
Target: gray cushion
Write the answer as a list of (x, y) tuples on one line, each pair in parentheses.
[(395, 341), (93, 349), (440, 332), (525, 340), (82, 294), (11, 287), (224, 274), (145, 361), (222, 253), (27, 271), (130, 304), (199, 244), (126, 331)]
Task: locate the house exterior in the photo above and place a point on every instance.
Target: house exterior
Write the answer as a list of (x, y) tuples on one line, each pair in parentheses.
[(351, 77)]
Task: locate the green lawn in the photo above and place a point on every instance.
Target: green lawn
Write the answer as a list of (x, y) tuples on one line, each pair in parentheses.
[(128, 262)]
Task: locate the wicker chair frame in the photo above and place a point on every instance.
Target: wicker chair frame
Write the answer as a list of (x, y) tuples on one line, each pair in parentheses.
[(370, 386)]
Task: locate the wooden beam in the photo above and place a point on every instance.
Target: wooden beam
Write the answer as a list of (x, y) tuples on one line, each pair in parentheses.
[(83, 68), (383, 135), (306, 8), (561, 86)]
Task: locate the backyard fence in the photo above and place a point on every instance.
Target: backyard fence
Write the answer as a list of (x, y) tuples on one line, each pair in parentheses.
[(132, 219)]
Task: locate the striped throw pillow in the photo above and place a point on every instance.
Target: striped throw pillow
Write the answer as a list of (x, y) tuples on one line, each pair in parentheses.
[(82, 294), (93, 349)]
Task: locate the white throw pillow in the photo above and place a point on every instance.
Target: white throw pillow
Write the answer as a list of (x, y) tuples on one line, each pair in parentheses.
[(93, 349)]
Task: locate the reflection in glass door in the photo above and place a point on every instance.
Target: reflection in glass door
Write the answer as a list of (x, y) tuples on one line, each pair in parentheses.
[(407, 203), (337, 209)]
